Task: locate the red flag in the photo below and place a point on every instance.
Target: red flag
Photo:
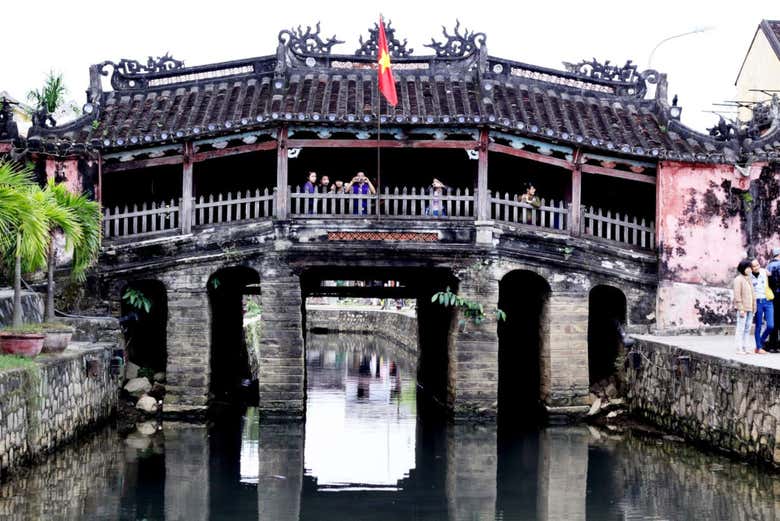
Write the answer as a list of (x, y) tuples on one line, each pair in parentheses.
[(386, 81)]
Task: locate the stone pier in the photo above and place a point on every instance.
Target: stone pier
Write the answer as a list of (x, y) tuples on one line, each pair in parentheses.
[(188, 345), (563, 473), (281, 361), (565, 361), (473, 352), (280, 471), (186, 472)]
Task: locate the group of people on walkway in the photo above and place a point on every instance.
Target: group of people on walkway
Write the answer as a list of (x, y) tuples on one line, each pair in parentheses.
[(754, 299)]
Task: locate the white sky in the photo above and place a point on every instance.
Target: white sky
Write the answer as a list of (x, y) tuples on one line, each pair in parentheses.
[(702, 68)]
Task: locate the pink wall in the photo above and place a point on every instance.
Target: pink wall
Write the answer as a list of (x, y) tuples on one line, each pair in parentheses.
[(703, 233), (68, 168)]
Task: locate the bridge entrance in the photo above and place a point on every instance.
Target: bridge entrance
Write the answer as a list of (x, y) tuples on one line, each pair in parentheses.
[(229, 291), (407, 291), (605, 322), (144, 324), (523, 349)]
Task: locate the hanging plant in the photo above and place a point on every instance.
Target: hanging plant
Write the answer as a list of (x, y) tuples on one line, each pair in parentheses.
[(471, 311)]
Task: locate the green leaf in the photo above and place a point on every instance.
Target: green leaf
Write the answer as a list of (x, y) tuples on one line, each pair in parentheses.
[(435, 297)]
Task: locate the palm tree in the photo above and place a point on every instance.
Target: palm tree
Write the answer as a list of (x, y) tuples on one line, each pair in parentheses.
[(52, 95), (25, 227), (78, 219)]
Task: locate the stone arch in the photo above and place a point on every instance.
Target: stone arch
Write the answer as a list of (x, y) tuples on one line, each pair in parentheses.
[(145, 328), (523, 350), (229, 361), (607, 315)]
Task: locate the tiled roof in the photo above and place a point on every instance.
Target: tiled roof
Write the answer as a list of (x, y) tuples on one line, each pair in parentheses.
[(166, 102), (771, 29)]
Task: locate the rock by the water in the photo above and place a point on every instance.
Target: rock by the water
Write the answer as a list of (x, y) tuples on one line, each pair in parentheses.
[(147, 404), (159, 377), (137, 387), (594, 409), (131, 371), (614, 414), (611, 391)]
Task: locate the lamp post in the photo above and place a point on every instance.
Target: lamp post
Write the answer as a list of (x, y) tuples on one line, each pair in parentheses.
[(693, 31)]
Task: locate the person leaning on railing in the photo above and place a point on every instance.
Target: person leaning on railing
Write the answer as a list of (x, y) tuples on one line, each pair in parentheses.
[(436, 206), (531, 200)]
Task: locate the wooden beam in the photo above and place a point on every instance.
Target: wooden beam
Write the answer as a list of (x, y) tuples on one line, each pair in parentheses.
[(99, 191), (142, 163), (232, 151), (631, 176), (576, 195), (384, 143), (483, 201), (185, 207), (533, 156), (282, 183)]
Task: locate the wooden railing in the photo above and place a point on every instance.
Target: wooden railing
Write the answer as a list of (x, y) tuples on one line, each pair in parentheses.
[(234, 207), (552, 215), (398, 203), (626, 229), (137, 222)]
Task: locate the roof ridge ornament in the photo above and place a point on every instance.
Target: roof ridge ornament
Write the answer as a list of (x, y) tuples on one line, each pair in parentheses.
[(457, 45), (604, 71), (129, 68), (307, 42), (396, 47)]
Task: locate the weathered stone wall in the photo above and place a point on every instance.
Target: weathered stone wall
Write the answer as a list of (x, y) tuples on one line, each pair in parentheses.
[(32, 307), (731, 406), (710, 217), (399, 327), (44, 407)]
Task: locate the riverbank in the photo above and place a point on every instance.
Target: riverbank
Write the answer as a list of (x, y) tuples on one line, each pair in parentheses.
[(47, 402), (697, 387)]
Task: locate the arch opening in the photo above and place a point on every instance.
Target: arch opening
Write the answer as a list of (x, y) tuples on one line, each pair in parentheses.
[(522, 348), (230, 290), (606, 318), (145, 326)]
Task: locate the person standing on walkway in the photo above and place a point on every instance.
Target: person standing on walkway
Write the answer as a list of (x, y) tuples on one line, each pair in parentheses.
[(764, 309), (773, 272), (745, 305)]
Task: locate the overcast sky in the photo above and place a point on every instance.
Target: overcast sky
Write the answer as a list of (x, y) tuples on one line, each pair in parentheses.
[(702, 68)]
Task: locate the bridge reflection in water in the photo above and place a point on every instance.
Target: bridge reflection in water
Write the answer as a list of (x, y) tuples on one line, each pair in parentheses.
[(366, 452)]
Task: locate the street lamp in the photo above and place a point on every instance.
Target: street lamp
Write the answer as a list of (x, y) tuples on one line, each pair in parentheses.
[(693, 31)]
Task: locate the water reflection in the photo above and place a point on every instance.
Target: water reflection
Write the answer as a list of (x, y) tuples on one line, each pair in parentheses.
[(359, 394), (368, 454)]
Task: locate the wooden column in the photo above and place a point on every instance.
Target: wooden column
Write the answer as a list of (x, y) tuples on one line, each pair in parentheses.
[(282, 183), (185, 208), (483, 200), (575, 217)]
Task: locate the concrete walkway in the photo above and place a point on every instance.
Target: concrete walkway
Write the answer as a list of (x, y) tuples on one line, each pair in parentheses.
[(721, 346)]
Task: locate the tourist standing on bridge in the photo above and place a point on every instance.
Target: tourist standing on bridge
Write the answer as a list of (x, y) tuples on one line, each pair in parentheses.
[(324, 184), (773, 272), (310, 187), (360, 184), (745, 304), (765, 310), (529, 198)]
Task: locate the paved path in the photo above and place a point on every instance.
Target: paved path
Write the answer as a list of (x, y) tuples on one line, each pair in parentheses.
[(721, 346)]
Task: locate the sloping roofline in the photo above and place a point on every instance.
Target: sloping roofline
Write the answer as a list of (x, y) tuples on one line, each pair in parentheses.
[(774, 42)]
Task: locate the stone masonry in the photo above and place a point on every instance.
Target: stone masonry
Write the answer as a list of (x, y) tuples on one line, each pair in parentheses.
[(399, 327), (473, 377), (189, 342), (46, 406), (565, 362), (731, 406), (281, 362)]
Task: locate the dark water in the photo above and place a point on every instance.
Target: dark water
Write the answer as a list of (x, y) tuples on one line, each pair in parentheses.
[(367, 453)]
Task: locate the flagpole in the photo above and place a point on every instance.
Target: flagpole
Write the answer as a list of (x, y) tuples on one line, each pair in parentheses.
[(378, 155), (378, 131)]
